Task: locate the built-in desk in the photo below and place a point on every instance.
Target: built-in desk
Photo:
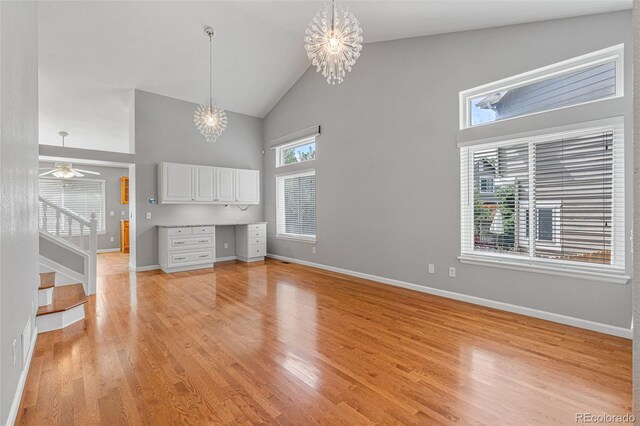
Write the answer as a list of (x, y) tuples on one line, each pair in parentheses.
[(186, 247)]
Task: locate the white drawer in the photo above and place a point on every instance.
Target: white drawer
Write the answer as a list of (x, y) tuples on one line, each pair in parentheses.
[(259, 233), (257, 240), (179, 231), (257, 250), (204, 256), (203, 229), (258, 227), (180, 242)]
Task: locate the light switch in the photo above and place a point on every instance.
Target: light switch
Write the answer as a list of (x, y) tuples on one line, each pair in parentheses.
[(148, 215), (112, 213), (122, 213), (432, 268)]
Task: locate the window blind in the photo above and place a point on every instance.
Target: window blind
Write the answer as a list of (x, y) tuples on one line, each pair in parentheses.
[(296, 205), (558, 199), (81, 196)]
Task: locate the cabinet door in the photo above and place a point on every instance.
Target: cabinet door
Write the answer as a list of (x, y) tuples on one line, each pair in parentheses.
[(177, 182), (204, 183), (225, 187), (247, 186)]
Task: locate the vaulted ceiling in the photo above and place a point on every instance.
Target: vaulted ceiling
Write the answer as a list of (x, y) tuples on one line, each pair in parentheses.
[(96, 49)]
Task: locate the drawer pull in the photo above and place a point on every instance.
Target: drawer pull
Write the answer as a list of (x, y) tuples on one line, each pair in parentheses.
[(180, 258), (204, 255), (203, 241), (178, 242)]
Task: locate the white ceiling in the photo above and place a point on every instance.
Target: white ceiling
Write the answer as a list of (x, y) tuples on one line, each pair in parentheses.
[(160, 46)]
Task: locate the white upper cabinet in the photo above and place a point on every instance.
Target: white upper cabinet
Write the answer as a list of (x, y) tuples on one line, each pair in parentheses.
[(187, 183), (176, 182), (204, 183), (247, 186), (225, 185)]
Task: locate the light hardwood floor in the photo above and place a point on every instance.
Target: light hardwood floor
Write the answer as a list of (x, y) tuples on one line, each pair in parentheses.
[(287, 344)]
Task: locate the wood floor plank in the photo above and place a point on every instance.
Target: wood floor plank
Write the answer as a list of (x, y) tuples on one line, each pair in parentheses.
[(280, 343)]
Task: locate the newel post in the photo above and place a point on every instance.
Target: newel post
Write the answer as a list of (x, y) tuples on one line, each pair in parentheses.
[(93, 254)]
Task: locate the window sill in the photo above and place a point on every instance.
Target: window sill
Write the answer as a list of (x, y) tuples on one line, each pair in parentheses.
[(605, 276), (301, 239)]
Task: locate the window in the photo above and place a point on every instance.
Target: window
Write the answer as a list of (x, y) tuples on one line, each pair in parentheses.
[(486, 185), (568, 187), (296, 152), (296, 205), (81, 196), (588, 78)]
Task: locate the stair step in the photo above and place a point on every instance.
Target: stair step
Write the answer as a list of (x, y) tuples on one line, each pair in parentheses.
[(47, 280), (64, 298)]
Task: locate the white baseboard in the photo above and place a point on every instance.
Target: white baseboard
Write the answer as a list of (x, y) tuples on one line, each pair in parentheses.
[(17, 398), (111, 250), (55, 266), (226, 258), (549, 316), (144, 268)]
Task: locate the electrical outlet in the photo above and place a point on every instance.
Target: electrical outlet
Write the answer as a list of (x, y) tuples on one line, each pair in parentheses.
[(432, 268), (226, 245), (313, 250), (112, 213), (112, 239), (452, 272), (148, 215), (122, 213), (13, 351)]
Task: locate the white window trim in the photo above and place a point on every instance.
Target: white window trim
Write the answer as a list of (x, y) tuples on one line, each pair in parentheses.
[(280, 220), (104, 198), (610, 54), (606, 273), (293, 144)]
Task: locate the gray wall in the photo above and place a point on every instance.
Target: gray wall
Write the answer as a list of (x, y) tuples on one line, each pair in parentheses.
[(636, 221), (164, 131), (18, 186), (111, 176), (388, 185)]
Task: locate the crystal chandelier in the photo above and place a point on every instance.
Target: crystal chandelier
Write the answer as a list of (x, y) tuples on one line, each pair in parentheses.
[(333, 42), (210, 118)]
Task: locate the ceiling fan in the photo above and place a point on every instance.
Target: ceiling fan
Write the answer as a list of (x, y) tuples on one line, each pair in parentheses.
[(65, 170)]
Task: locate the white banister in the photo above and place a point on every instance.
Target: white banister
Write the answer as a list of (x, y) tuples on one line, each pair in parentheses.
[(93, 253), (68, 221)]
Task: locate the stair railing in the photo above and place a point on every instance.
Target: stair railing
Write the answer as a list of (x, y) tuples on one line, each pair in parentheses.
[(72, 230)]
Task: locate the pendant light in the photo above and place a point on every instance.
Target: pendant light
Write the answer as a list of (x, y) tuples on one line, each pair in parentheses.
[(333, 42), (209, 118)]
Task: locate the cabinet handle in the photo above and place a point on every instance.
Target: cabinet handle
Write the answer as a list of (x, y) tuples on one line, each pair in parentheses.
[(178, 242), (203, 241), (204, 255), (179, 258)]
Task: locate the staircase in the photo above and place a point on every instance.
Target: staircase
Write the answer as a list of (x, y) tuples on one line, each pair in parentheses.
[(59, 306), (68, 260)]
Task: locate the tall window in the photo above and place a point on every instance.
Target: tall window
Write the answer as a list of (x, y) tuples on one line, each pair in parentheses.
[(587, 78), (557, 200), (81, 196), (296, 205)]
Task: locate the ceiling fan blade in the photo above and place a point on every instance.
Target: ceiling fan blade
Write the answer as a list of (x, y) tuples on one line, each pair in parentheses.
[(47, 173), (76, 173), (87, 171)]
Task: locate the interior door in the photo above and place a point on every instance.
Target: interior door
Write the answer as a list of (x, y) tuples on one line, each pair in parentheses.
[(225, 179), (177, 182), (247, 186), (204, 184)]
